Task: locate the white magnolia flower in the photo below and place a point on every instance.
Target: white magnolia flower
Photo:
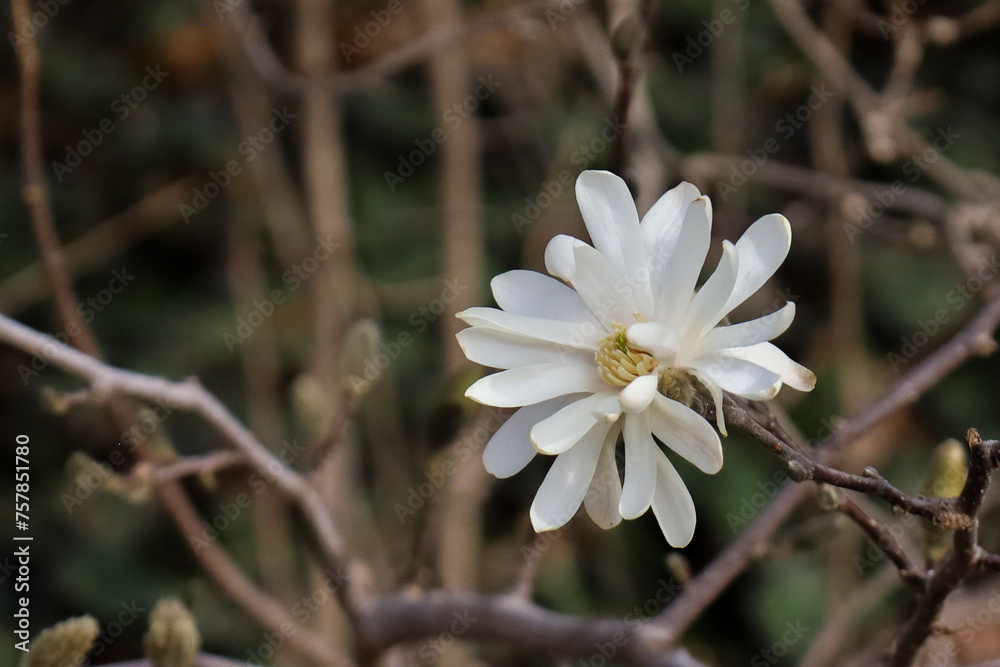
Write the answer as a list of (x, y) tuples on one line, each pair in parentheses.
[(621, 348)]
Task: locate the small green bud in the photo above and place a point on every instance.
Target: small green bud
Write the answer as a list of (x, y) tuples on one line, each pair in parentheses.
[(173, 639), (945, 479), (948, 467), (796, 471), (65, 644)]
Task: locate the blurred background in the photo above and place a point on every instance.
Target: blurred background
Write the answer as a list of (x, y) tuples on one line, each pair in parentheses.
[(291, 200)]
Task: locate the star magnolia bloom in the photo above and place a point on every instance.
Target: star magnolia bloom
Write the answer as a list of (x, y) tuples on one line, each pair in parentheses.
[(620, 347)]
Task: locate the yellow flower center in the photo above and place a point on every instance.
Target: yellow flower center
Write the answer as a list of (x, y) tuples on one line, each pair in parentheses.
[(618, 363)]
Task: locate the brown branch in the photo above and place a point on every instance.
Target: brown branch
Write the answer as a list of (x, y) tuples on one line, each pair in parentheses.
[(35, 192), (987, 561), (398, 619), (191, 396), (802, 468), (196, 465), (98, 247), (974, 339), (882, 538), (983, 461), (381, 622)]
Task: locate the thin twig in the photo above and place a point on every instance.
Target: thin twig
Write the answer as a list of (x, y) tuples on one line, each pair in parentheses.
[(982, 462), (36, 194)]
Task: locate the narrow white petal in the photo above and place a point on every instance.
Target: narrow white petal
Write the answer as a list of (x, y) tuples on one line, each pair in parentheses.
[(564, 429), (534, 384), (706, 307), (661, 227), (717, 397), (609, 213), (686, 432), (660, 340), (773, 359), (601, 501), (672, 504), (639, 393), (762, 248), (533, 294), (559, 260), (567, 482), (747, 333), (685, 265), (502, 349), (509, 450), (739, 377), (640, 466), (577, 335), (604, 293)]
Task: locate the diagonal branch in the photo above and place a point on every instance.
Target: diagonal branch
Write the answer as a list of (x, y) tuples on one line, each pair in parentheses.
[(974, 340)]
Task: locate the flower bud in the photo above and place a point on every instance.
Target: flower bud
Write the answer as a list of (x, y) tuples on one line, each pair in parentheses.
[(63, 645), (173, 639)]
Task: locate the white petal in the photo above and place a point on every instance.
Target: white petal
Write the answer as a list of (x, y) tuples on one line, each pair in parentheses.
[(639, 393), (685, 265), (564, 429), (601, 501), (738, 376), (748, 333), (534, 384), (577, 335), (640, 466), (609, 213), (559, 260), (599, 286), (762, 248), (660, 340), (717, 397), (706, 307), (770, 357), (661, 227), (502, 349), (509, 450), (567, 482), (672, 504), (534, 294), (686, 432)]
